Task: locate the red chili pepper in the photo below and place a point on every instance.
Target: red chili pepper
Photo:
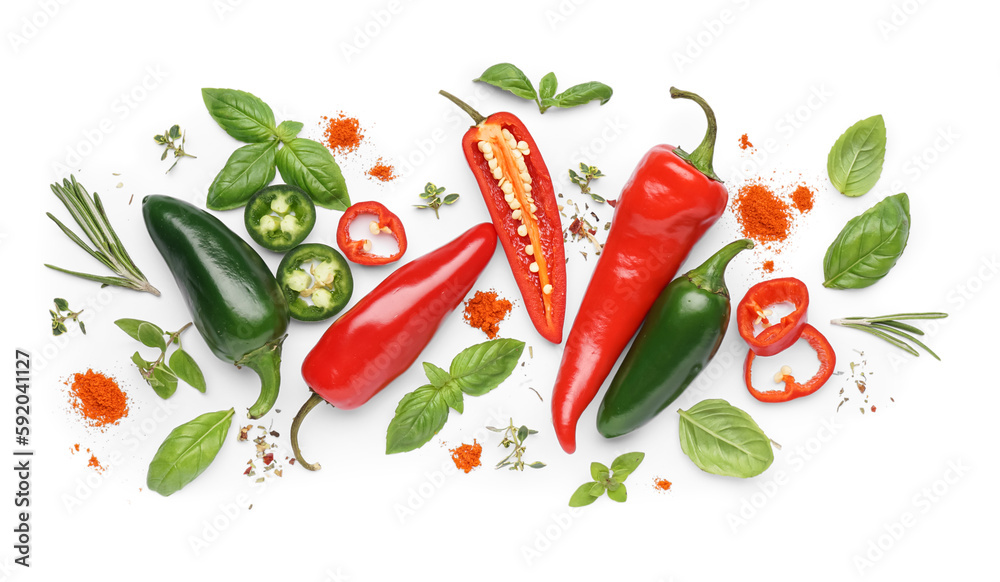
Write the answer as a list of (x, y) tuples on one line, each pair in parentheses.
[(669, 202), (518, 192), (357, 251), (753, 309), (382, 335), (827, 362)]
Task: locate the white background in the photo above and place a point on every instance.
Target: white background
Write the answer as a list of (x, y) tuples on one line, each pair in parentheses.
[(87, 86)]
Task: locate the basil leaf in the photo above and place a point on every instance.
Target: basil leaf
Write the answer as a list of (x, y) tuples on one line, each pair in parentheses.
[(618, 494), (187, 369), (547, 86), (623, 465), (249, 169), (419, 416), (483, 367), (723, 440), (151, 336), (437, 376), (242, 115), (287, 130), (869, 245), (452, 395), (131, 327), (187, 451), (582, 496), (597, 489), (855, 160), (599, 471), (310, 166), (583, 93), (509, 78), (163, 382)]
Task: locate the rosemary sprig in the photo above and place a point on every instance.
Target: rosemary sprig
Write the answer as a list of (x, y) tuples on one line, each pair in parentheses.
[(108, 249), (892, 329)]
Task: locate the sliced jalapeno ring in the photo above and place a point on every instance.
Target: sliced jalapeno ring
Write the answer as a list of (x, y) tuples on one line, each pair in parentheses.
[(316, 281), (279, 217)]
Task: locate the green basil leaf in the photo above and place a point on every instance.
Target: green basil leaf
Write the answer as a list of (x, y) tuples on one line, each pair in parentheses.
[(583, 93), (131, 327), (597, 489), (242, 115), (623, 465), (582, 496), (483, 367), (509, 78), (547, 86), (437, 376), (723, 440), (310, 166), (618, 494), (869, 245), (599, 471), (163, 382), (249, 169), (151, 336), (187, 451), (452, 395), (419, 416), (187, 369), (288, 130), (855, 160)]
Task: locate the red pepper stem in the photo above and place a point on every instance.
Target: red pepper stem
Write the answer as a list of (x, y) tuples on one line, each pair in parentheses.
[(711, 275), (476, 116), (701, 157), (314, 399), (266, 361)]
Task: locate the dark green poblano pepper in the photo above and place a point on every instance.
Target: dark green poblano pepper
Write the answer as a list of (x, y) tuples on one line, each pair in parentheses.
[(679, 337)]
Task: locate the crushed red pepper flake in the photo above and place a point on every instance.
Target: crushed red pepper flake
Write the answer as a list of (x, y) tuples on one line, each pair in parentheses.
[(745, 142)]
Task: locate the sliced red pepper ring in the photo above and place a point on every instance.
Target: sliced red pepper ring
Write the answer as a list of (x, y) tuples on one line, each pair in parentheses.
[(793, 389), (359, 251), (753, 309)]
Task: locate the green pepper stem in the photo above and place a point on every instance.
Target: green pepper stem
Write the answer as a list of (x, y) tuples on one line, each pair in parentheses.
[(314, 399), (266, 361), (475, 115), (701, 157), (711, 275)]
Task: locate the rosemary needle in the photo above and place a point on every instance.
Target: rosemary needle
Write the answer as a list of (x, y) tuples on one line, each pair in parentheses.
[(892, 329)]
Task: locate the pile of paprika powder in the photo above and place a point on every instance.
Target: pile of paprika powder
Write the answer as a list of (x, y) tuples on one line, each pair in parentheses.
[(98, 398)]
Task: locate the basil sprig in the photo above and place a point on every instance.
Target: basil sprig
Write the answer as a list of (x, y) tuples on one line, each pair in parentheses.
[(510, 78), (869, 245), (475, 371), (723, 440), (855, 160), (604, 479), (302, 162), (187, 451)]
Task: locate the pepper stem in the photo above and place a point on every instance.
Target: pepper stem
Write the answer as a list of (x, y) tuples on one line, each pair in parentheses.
[(701, 157), (475, 115), (314, 399), (266, 361), (711, 275)]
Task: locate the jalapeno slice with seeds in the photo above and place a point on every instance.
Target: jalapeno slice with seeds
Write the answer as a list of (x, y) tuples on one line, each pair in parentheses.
[(279, 217), (316, 281)]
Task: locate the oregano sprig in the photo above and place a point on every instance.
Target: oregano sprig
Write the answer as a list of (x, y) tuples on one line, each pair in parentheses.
[(162, 374), (432, 194), (610, 480), (515, 437), (584, 178), (168, 139), (62, 314)]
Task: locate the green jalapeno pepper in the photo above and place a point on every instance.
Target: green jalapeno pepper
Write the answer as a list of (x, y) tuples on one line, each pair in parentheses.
[(681, 334), (316, 281), (279, 217)]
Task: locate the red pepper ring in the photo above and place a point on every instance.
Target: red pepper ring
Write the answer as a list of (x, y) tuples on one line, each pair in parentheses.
[(827, 362), (358, 251), (753, 309)]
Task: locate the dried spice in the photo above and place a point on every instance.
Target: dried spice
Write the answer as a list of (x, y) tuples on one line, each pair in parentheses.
[(858, 380), (762, 215), (466, 457), (382, 171), (342, 134), (263, 465), (98, 399), (745, 142), (485, 310), (802, 198), (93, 462), (768, 266), (663, 484)]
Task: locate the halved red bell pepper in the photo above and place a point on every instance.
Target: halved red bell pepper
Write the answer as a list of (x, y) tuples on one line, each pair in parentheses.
[(358, 251), (793, 389), (518, 192), (754, 309)]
